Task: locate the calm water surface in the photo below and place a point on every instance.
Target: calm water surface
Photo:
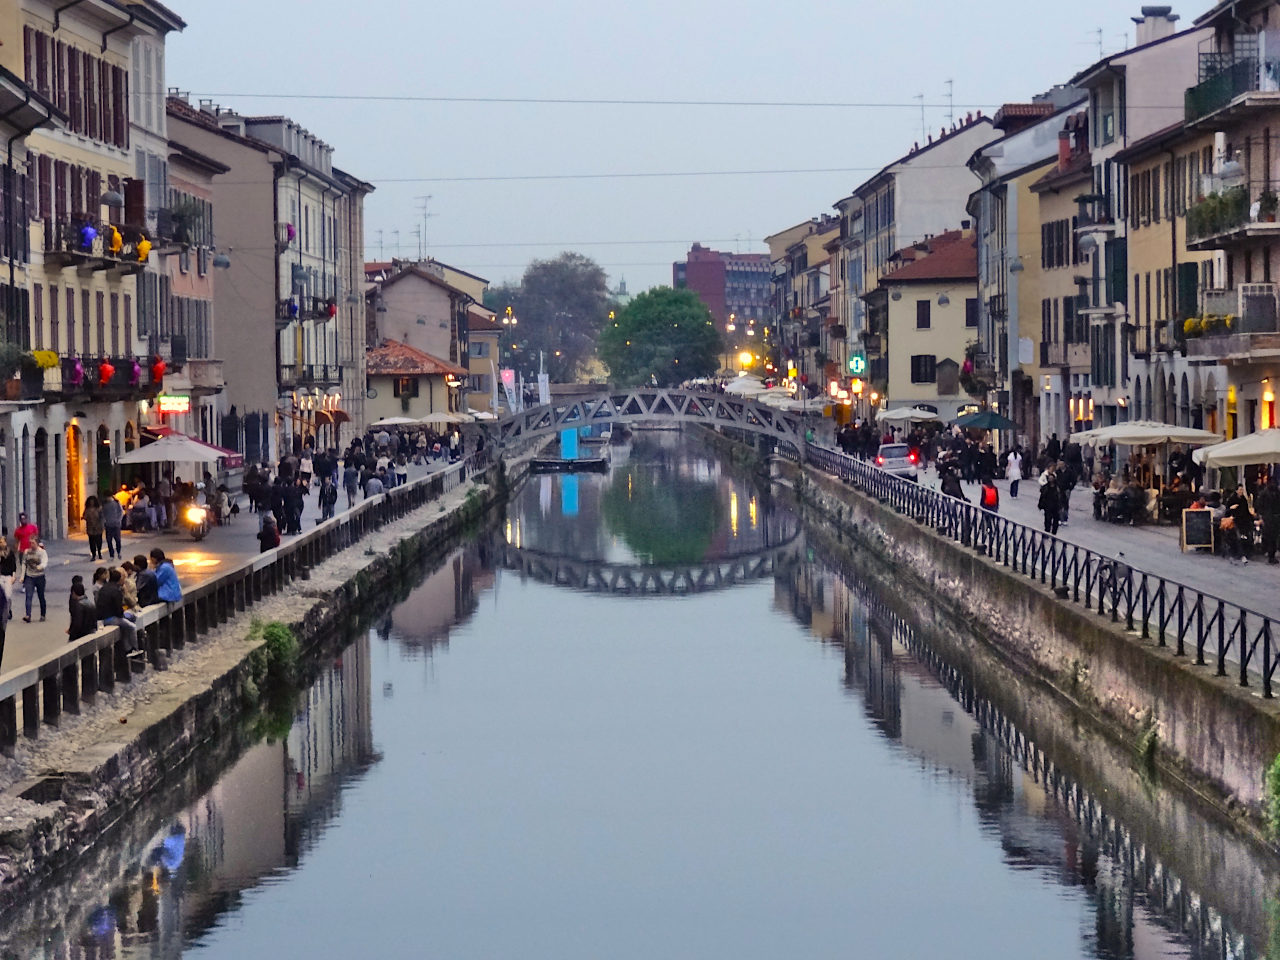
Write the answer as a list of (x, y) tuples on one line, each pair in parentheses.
[(513, 766)]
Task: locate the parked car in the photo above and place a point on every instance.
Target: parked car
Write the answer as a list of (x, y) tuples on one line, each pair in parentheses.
[(898, 459)]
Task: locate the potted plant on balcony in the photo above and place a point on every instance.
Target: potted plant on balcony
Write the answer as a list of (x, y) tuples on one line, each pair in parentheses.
[(18, 368), (183, 218), (1268, 204), (1192, 327)]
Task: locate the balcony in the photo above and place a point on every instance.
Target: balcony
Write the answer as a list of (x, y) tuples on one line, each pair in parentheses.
[(82, 377), (998, 306), (85, 243), (1234, 215), (1238, 326), (196, 377), (1093, 213), (309, 375), (1240, 86), (1056, 355)]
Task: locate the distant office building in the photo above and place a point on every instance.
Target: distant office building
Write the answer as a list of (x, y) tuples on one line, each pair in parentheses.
[(734, 284)]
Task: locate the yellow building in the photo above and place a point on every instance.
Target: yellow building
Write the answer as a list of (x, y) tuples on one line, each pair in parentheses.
[(1166, 281), (406, 382), (932, 300), (483, 341), (85, 254), (1052, 292)]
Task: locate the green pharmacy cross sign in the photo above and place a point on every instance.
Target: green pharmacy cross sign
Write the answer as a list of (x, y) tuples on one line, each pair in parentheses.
[(857, 364)]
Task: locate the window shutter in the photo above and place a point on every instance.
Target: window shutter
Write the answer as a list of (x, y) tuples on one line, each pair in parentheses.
[(118, 107), (90, 96), (45, 166), (75, 93), (29, 55), (78, 205), (106, 119), (60, 190), (127, 319), (71, 320), (42, 64), (135, 203)]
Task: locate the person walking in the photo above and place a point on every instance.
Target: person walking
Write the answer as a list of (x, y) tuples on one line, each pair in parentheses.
[(1050, 503), (8, 572), (1013, 471), (93, 526), (1066, 479), (989, 501), (328, 498), (35, 564), (112, 522), (1241, 513), (351, 481), (1267, 504), (25, 534)]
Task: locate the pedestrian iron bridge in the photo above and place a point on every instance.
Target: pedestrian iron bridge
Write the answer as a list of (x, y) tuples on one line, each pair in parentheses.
[(653, 405), (599, 576)]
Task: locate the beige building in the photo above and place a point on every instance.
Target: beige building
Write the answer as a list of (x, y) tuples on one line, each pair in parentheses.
[(932, 296), (292, 316), (417, 306), (407, 382), (801, 301)]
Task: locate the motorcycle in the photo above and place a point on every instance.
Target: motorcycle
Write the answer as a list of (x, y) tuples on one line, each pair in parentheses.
[(197, 519)]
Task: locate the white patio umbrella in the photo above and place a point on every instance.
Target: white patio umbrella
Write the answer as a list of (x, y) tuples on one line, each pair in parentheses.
[(483, 415), (1260, 447), (905, 415), (746, 386), (394, 422), (445, 416), (1138, 433), (175, 448)]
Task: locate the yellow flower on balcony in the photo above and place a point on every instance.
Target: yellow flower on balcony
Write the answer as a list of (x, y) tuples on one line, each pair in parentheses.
[(1191, 326), (45, 359)]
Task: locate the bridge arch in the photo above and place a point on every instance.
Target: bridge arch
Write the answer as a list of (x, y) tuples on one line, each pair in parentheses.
[(654, 405)]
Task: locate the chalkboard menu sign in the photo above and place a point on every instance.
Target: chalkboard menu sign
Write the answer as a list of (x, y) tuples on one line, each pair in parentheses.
[(1197, 529)]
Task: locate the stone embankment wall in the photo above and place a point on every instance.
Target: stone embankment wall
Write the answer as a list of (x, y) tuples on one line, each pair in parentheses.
[(66, 790), (1214, 735)]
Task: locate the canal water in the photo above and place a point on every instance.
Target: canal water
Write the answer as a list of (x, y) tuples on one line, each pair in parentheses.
[(647, 716)]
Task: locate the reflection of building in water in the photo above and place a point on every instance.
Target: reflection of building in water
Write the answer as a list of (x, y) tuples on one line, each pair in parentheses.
[(447, 597), (263, 813), (1044, 823)]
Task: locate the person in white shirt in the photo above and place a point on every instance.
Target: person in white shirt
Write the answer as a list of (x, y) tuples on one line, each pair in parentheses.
[(1013, 471)]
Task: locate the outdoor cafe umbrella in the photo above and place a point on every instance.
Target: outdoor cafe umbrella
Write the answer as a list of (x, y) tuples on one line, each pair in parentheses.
[(1260, 447), (174, 448), (444, 417), (906, 415), (985, 420), (746, 386), (1141, 433), (394, 422)]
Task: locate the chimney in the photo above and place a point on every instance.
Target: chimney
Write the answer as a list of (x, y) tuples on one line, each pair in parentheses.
[(1064, 149), (1156, 23)]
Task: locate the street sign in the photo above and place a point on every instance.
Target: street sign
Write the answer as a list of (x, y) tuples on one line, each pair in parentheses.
[(857, 365)]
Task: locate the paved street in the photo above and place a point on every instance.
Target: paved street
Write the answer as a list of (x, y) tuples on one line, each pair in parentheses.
[(1151, 548), (223, 548)]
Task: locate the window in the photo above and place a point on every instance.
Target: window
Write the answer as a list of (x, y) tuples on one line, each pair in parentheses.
[(479, 348), (924, 368), (37, 297), (971, 312), (405, 387), (923, 314), (54, 332), (71, 321), (479, 383)]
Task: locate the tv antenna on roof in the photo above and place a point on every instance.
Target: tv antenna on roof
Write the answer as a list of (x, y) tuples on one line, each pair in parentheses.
[(924, 133), (951, 102), (423, 203)]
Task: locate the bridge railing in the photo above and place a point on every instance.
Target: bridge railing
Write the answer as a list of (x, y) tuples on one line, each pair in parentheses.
[(70, 677), (1218, 632)]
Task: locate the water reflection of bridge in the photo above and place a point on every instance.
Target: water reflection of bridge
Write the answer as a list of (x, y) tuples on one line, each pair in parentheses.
[(640, 579)]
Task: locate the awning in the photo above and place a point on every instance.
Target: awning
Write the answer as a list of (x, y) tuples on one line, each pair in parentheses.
[(230, 458), (332, 417)]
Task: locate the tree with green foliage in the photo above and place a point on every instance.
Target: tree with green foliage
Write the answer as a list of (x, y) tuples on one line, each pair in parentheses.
[(560, 306), (664, 336)]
